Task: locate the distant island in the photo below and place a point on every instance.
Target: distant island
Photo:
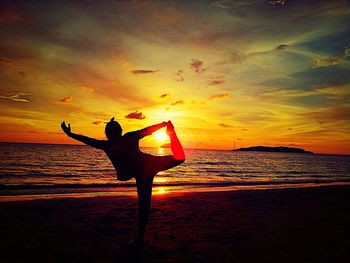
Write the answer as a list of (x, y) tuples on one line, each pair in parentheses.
[(280, 149)]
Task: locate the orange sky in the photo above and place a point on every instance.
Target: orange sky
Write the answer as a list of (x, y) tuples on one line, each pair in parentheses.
[(258, 73)]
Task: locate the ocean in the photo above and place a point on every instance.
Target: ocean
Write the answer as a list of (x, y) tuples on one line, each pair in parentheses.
[(48, 170)]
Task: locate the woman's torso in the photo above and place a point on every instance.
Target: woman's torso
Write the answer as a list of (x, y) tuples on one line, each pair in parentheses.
[(125, 156)]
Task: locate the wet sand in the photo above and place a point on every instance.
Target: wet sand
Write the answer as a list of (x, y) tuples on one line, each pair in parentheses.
[(281, 225)]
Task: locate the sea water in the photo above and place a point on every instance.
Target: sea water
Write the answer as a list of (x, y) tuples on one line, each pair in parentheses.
[(56, 169)]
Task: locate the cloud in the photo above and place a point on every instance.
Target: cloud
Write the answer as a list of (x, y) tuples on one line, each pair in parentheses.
[(136, 115), (164, 95), (244, 129), (109, 86), (66, 99), (22, 74), (197, 66), (311, 79), (219, 96), (238, 57), (331, 114), (216, 82), (281, 47), (143, 71), (179, 75), (222, 4), (198, 102), (28, 23), (278, 2), (315, 99), (96, 122), (243, 8), (9, 14), (228, 4), (8, 61), (170, 16), (347, 52), (298, 21), (279, 8), (322, 77), (179, 102), (266, 52), (86, 89), (225, 125), (255, 117), (55, 133), (17, 97), (332, 60), (329, 43)]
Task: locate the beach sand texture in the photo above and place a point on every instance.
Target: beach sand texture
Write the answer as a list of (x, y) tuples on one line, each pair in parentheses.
[(281, 225)]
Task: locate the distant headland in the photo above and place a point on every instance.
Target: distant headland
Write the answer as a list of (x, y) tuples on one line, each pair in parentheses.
[(280, 149)]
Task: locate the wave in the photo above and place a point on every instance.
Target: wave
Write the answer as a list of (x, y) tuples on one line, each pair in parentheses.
[(214, 163), (187, 184)]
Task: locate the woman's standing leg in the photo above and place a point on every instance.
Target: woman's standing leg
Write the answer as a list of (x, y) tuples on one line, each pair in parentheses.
[(144, 193), (151, 165)]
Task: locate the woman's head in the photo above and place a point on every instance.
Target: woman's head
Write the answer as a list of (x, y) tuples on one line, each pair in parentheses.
[(113, 129)]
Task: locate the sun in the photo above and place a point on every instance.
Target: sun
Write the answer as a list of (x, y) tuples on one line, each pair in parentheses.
[(160, 136)]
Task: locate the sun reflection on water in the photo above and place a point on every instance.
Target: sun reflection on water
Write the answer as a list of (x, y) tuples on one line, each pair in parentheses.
[(160, 151), (160, 180), (159, 191)]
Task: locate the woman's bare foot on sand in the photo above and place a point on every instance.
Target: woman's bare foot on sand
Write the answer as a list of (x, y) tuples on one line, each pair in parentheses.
[(138, 242)]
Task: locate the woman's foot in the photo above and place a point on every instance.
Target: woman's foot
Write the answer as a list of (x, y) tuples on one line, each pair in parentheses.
[(137, 242), (170, 128)]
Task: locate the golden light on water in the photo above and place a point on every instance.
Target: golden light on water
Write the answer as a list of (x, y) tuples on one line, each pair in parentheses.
[(160, 179), (160, 191), (160, 151)]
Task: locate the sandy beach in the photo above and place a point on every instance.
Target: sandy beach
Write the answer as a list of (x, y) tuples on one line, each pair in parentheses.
[(282, 225)]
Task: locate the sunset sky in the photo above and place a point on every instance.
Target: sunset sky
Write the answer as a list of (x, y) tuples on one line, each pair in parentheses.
[(253, 72)]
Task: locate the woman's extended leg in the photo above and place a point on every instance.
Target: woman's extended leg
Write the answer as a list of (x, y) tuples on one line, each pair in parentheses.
[(176, 147), (162, 163)]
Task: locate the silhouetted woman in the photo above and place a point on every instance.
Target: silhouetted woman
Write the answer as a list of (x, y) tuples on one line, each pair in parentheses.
[(129, 162)]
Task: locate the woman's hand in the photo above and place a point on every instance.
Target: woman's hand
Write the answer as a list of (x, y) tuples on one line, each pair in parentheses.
[(66, 128)]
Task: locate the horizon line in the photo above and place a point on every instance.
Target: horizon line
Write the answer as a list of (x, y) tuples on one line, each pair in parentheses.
[(209, 149)]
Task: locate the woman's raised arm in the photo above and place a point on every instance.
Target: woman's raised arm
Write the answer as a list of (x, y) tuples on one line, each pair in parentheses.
[(151, 129), (99, 144)]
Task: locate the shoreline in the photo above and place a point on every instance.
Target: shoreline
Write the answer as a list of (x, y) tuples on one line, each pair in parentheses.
[(275, 225), (158, 190)]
